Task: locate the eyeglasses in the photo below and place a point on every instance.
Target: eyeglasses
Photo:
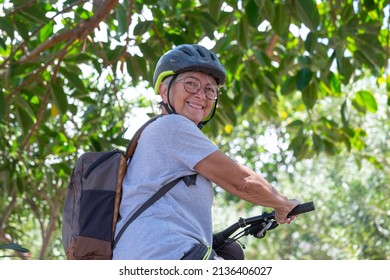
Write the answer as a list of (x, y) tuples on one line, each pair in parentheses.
[(192, 85)]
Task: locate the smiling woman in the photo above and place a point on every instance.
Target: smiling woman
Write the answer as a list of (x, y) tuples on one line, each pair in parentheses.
[(193, 95), (179, 225), (44, 90), (204, 65)]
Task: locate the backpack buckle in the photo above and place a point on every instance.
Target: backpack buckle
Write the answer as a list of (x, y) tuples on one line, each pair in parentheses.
[(190, 179)]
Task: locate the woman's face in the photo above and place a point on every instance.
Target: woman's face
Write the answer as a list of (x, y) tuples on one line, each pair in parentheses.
[(194, 106)]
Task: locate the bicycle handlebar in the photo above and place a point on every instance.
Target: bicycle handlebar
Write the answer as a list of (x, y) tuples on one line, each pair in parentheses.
[(258, 225), (302, 208)]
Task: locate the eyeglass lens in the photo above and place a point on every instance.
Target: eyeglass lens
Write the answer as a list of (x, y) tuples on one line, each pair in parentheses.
[(193, 85)]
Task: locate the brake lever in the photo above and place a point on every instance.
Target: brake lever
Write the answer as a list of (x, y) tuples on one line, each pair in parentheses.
[(262, 232)]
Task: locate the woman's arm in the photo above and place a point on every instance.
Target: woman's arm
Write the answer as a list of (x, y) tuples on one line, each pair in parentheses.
[(244, 183)]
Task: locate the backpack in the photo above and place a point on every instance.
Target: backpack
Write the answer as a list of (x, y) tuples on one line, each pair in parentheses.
[(91, 207)]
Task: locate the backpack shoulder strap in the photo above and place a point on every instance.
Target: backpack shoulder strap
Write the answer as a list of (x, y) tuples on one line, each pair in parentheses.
[(134, 141), (189, 179)]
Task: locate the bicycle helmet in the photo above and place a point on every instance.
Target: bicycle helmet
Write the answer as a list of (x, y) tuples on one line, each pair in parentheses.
[(185, 58), (188, 58)]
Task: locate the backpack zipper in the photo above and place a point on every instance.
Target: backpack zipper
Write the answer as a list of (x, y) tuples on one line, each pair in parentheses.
[(99, 161)]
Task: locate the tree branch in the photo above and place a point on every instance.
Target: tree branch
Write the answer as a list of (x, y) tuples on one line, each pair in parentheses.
[(271, 45), (78, 33), (35, 32)]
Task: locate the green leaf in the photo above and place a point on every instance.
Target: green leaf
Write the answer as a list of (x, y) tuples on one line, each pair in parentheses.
[(35, 14), (79, 58), (6, 25), (247, 87), (267, 9), (367, 100), (318, 145), (24, 119), (2, 106), (311, 42), (23, 69), (142, 67), (243, 33), (369, 5), (259, 83), (149, 51), (97, 65), (46, 31), (2, 44), (296, 123), (74, 80), (252, 69), (260, 3), (208, 24), (252, 13), (234, 61), (266, 111), (215, 8), (61, 169), (247, 103), (142, 27), (114, 54), (307, 12), (25, 104), (69, 2), (279, 23), (303, 78), (132, 69), (299, 146), (310, 95), (288, 85), (262, 58), (343, 112), (60, 97), (122, 20), (370, 50), (345, 68), (334, 83)]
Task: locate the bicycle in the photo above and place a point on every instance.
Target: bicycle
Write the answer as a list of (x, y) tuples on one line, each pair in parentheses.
[(256, 226)]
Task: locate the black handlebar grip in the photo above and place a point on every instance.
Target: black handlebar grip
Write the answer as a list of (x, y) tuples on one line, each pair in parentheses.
[(302, 208)]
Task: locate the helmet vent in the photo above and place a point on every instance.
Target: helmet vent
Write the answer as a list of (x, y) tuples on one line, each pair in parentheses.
[(187, 51), (201, 52)]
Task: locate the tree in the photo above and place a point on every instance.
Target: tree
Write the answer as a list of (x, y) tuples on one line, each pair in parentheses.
[(66, 68), (351, 196)]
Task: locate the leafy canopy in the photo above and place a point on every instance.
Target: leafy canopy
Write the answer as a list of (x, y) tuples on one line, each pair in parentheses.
[(74, 72)]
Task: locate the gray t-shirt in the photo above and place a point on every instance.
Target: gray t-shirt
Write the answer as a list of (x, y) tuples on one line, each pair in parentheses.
[(168, 148)]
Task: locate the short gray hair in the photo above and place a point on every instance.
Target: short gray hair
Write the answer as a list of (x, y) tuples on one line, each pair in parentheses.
[(167, 80)]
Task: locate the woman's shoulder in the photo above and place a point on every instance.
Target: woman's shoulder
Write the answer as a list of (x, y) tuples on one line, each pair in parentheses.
[(169, 127)]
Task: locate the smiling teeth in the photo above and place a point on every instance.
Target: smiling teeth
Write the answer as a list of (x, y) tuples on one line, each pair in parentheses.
[(195, 106)]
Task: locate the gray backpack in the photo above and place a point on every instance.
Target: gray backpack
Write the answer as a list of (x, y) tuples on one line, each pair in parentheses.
[(91, 208)]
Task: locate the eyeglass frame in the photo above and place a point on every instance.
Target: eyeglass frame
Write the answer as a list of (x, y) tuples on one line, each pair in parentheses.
[(199, 87)]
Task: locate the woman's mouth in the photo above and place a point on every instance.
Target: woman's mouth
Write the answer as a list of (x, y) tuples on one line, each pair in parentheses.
[(195, 106)]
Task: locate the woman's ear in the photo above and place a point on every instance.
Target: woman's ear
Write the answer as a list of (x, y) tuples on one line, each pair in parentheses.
[(163, 89)]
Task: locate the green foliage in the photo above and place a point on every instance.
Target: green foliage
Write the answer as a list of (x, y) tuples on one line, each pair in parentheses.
[(73, 73), (350, 193)]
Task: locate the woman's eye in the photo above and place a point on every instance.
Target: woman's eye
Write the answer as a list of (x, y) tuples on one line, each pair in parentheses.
[(191, 84)]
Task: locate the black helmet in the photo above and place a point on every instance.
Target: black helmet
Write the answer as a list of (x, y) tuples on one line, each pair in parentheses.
[(188, 58)]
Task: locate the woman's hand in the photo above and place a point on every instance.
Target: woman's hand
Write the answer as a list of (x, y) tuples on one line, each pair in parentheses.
[(281, 213)]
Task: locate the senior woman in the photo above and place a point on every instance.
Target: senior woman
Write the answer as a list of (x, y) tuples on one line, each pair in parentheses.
[(179, 225)]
